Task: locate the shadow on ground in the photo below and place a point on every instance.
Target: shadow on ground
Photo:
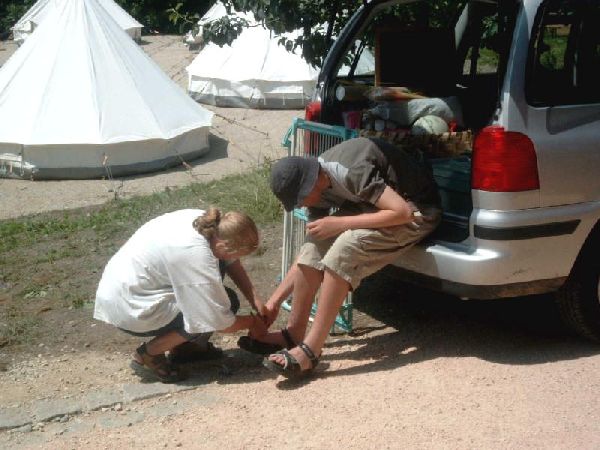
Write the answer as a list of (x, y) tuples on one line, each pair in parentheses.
[(427, 325), (397, 324)]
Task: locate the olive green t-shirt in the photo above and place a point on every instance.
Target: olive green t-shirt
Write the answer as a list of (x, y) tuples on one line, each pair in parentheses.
[(361, 168)]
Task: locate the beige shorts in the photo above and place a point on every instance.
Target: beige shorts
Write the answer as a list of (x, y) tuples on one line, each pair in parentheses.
[(356, 254)]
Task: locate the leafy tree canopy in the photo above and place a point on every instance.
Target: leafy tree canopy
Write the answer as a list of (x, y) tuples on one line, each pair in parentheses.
[(151, 13), (10, 13), (319, 20)]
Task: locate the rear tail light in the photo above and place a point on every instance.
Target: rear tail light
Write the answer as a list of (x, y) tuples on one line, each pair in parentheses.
[(504, 161), (313, 111)]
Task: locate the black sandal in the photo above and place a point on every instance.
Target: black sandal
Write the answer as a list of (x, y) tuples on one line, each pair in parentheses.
[(291, 368), (155, 366), (264, 348)]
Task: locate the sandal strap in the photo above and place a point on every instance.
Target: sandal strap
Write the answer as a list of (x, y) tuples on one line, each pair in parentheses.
[(141, 350), (289, 361), (308, 352), (291, 367), (154, 362), (290, 364), (288, 338), (157, 365)]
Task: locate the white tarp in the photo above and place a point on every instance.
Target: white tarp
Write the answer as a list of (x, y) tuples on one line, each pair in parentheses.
[(80, 99), (33, 17), (255, 71)]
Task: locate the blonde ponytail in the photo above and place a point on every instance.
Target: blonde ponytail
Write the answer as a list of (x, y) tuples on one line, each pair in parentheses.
[(207, 224), (235, 228)]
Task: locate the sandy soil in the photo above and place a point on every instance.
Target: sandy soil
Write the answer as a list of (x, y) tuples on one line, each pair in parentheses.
[(421, 370)]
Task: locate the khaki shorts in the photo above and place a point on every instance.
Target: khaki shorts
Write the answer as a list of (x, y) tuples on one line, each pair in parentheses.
[(356, 254)]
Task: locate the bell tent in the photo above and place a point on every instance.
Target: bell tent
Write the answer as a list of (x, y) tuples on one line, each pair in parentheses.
[(79, 99), (255, 71), (33, 17)]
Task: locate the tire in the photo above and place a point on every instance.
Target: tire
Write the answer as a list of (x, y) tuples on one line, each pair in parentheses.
[(579, 298)]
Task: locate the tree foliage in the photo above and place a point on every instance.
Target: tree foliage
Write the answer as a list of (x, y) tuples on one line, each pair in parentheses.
[(319, 21), (10, 13), (151, 13)]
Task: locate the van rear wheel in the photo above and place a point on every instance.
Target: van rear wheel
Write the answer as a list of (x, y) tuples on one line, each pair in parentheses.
[(579, 299)]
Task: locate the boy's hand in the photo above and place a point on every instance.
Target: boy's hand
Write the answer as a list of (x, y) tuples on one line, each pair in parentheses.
[(326, 227), (271, 313)]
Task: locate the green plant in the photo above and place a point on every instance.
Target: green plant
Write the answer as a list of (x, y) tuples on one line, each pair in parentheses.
[(248, 192), (16, 326), (154, 14), (150, 13), (10, 13)]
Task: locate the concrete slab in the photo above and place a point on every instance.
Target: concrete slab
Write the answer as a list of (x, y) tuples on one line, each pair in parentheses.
[(134, 392), (13, 418), (102, 398), (43, 410)]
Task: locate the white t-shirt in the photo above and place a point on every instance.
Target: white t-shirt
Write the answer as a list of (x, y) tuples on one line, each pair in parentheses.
[(165, 268)]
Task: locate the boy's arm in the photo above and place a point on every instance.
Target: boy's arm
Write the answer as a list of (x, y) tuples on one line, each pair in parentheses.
[(283, 291), (393, 211)]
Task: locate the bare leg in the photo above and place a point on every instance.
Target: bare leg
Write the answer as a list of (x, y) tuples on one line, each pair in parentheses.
[(306, 281), (333, 292)]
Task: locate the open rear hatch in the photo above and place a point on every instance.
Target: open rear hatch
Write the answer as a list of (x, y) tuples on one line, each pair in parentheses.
[(424, 79)]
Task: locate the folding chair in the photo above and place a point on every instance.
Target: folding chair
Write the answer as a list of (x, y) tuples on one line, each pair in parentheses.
[(306, 138)]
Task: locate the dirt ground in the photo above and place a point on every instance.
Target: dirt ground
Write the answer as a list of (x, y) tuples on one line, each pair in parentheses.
[(420, 370)]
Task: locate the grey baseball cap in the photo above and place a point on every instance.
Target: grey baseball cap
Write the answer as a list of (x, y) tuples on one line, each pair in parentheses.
[(293, 178)]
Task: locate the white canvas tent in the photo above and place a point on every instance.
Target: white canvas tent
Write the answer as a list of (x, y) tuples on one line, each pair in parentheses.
[(79, 99), (34, 16), (215, 12), (255, 71)]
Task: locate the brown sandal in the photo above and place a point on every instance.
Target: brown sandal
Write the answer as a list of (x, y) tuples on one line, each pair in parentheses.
[(263, 348), (157, 366)]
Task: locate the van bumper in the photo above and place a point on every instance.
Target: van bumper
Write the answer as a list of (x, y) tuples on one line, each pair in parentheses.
[(481, 292), (507, 253)]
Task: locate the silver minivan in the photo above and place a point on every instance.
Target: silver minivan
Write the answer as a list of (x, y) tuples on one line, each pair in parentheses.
[(522, 205)]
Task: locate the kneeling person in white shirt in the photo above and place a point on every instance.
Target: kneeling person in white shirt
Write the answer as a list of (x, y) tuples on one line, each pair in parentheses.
[(166, 282)]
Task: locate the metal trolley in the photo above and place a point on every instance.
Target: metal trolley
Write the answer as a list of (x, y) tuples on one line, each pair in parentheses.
[(305, 138)]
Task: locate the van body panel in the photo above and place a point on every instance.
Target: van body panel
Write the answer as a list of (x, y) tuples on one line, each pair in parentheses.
[(515, 242), (489, 262), (505, 200)]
